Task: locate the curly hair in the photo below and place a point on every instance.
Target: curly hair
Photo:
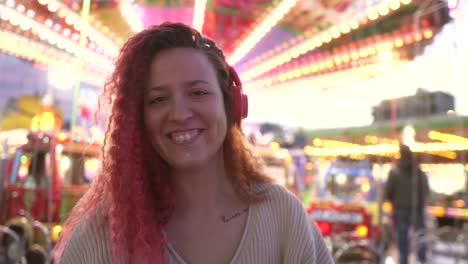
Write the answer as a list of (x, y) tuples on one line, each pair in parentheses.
[(133, 190)]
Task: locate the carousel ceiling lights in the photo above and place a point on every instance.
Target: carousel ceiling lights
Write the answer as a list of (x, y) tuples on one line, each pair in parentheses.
[(326, 36), (261, 30), (383, 149), (131, 17), (73, 19), (339, 59), (199, 14), (44, 54), (54, 38)]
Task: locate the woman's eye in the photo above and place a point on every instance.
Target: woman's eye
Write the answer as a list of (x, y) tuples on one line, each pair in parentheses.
[(199, 93), (158, 100)]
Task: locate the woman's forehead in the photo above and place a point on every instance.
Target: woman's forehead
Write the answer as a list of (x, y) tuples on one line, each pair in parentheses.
[(180, 65)]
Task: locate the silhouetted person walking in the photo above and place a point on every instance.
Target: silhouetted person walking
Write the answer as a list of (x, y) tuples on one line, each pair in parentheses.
[(408, 190)]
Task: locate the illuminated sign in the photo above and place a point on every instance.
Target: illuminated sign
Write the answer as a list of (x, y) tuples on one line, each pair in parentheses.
[(336, 216)]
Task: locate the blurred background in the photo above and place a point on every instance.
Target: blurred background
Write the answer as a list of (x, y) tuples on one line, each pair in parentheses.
[(334, 86)]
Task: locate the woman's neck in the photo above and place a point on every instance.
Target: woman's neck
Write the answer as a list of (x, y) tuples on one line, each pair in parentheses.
[(203, 192)]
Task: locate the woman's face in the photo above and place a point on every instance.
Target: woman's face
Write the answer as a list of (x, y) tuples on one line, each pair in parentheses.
[(183, 108)]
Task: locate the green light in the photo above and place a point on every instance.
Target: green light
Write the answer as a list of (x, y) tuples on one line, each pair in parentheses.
[(23, 159)]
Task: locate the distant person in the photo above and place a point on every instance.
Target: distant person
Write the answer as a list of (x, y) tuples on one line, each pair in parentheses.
[(178, 182), (408, 191)]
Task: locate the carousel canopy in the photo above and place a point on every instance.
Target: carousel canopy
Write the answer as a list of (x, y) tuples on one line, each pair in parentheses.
[(269, 42)]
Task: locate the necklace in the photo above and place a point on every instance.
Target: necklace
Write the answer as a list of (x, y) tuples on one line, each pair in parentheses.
[(227, 219)]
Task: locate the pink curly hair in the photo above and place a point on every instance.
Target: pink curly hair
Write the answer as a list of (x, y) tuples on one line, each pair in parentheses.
[(133, 191)]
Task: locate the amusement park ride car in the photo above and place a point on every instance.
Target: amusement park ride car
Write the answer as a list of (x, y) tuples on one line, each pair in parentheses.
[(44, 178), (346, 211)]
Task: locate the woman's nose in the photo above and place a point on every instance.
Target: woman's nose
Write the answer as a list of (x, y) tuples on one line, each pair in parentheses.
[(180, 110)]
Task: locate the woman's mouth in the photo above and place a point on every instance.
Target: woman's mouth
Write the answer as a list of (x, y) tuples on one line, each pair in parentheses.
[(184, 137)]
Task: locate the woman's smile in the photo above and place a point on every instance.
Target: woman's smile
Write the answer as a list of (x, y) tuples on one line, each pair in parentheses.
[(185, 137)]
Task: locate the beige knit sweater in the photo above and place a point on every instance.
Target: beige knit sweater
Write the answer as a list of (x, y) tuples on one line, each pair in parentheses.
[(278, 230)]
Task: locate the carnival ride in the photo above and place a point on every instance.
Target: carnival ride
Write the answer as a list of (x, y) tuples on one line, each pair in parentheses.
[(440, 146), (346, 211), (269, 42), (43, 179)]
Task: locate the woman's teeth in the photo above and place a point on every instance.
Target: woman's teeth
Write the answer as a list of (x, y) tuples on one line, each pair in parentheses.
[(182, 137)]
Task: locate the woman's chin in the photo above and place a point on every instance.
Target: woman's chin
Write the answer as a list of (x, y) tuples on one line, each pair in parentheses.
[(188, 163)]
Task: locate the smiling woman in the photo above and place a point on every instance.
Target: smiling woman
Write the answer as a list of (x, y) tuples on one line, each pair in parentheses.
[(179, 183)]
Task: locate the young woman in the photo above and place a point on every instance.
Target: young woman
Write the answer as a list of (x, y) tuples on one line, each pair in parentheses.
[(178, 182)]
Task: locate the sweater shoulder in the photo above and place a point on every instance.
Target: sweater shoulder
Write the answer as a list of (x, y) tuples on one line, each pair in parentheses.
[(89, 241)]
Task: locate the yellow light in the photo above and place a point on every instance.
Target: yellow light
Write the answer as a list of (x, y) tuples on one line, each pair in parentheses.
[(387, 207), (336, 34), (65, 164), (317, 142), (389, 45), (354, 24), (428, 33), (297, 73), (53, 6), (346, 58), (318, 43), (363, 53), (395, 5), (345, 29), (309, 150), (92, 164), (62, 136), (282, 77), (438, 211), (365, 187), (405, 2), (371, 51), (338, 61), (398, 42), (314, 68), (373, 15), (383, 10), (326, 38), (418, 37), (56, 230), (361, 230)]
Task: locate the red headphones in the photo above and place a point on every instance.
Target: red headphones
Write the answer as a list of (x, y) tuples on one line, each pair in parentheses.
[(240, 102)]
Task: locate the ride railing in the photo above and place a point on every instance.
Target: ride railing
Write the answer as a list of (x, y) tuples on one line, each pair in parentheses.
[(14, 251), (17, 249), (447, 241), (370, 251)]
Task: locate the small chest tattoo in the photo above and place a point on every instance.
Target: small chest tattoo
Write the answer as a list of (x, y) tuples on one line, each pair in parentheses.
[(227, 219)]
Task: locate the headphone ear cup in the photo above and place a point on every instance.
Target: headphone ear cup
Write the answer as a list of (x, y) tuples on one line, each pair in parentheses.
[(236, 104), (245, 105), (239, 99)]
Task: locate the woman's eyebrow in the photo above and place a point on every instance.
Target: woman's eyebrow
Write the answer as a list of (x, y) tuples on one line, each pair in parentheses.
[(155, 88), (159, 88), (195, 82)]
